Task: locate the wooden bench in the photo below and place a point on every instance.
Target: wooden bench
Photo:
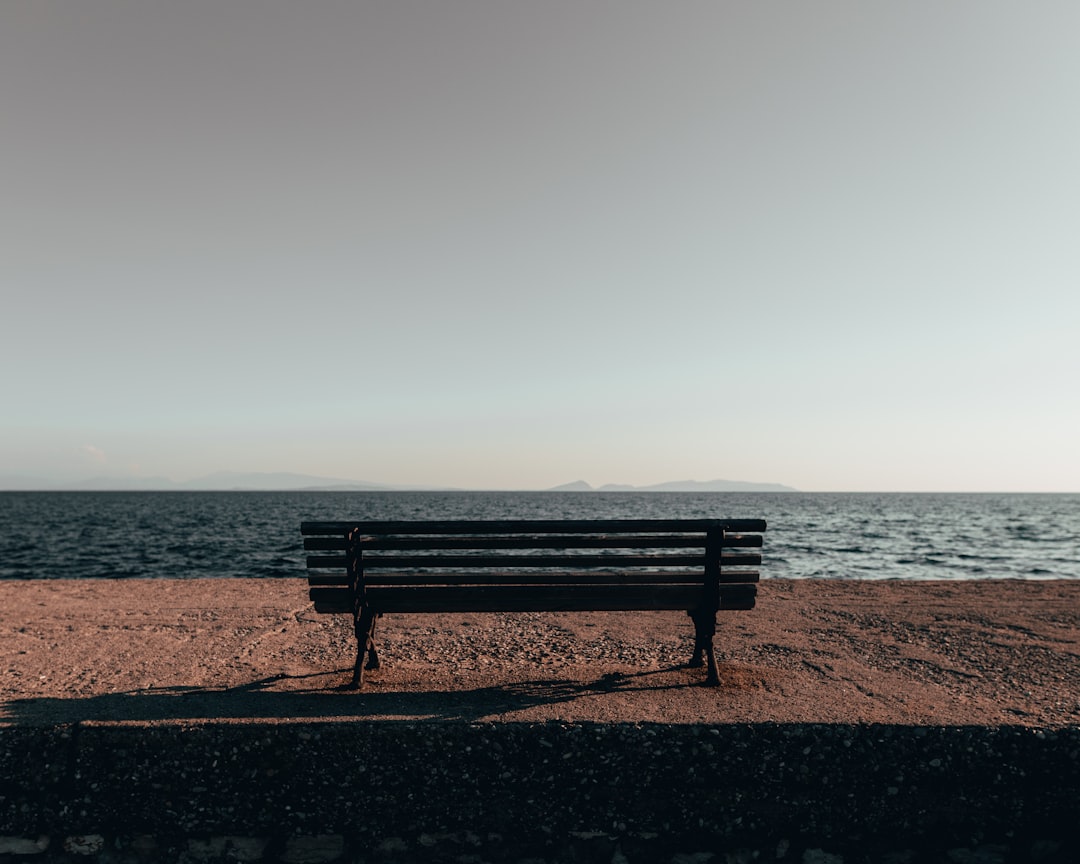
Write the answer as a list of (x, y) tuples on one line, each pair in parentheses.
[(366, 569)]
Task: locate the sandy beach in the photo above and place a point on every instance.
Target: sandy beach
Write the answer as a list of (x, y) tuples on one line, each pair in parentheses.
[(239, 650)]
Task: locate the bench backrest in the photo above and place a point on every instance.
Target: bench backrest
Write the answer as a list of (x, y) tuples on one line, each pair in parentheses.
[(533, 565)]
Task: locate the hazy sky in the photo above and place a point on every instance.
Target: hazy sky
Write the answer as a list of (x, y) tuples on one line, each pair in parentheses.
[(506, 244)]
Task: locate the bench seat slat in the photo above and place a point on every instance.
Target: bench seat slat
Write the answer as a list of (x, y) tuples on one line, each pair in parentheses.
[(489, 577), (539, 541), (377, 562), (324, 544), (536, 526), (373, 562), (331, 601), (540, 598), (323, 579), (324, 562), (571, 577), (338, 542)]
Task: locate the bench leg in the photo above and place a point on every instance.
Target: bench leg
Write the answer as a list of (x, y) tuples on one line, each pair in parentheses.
[(704, 631), (365, 642), (373, 655)]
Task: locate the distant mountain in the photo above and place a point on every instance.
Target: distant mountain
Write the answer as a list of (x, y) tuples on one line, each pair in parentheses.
[(678, 486), (717, 486), (23, 483), (288, 482), (20, 482), (120, 483), (221, 481), (226, 481), (276, 481), (575, 486)]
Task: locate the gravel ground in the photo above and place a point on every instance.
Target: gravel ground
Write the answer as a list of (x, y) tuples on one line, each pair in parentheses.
[(158, 651)]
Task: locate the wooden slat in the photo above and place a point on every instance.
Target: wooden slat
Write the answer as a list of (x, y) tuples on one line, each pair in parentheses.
[(733, 576), (315, 562), (565, 541), (534, 526), (328, 579), (737, 597), (324, 544), (405, 562), (554, 599), (539, 541), (568, 577), (496, 598), (740, 560), (532, 599), (333, 601)]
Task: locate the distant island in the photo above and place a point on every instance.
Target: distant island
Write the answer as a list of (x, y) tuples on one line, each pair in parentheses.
[(232, 481), (677, 486), (221, 481)]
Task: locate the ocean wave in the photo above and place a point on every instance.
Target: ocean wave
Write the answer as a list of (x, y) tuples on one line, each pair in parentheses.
[(810, 535)]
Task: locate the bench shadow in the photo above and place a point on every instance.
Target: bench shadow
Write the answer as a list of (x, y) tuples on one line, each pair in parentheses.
[(324, 700)]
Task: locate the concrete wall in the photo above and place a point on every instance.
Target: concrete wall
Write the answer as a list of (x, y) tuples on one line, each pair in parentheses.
[(394, 791)]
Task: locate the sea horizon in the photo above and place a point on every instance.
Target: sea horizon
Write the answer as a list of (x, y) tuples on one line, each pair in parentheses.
[(48, 534)]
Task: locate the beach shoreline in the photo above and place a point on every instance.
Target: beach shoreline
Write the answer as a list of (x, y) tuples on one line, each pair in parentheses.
[(232, 650)]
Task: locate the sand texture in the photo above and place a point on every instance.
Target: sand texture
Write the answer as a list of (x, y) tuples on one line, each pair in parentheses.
[(243, 650)]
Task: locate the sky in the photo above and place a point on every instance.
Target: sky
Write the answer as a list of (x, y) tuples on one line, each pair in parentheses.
[(511, 245)]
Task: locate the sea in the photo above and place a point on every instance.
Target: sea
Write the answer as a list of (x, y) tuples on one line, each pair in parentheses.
[(124, 535)]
